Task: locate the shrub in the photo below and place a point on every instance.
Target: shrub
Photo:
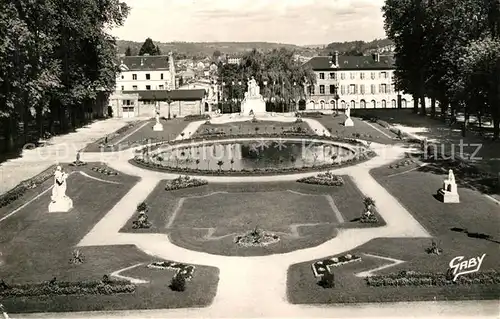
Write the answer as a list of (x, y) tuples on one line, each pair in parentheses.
[(412, 278), (178, 282), (196, 117), (327, 280), (184, 182), (368, 202), (142, 207), (327, 179), (382, 123)]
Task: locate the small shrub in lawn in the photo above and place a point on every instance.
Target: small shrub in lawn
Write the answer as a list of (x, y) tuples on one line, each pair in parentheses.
[(178, 282), (327, 280), (299, 120), (142, 207)]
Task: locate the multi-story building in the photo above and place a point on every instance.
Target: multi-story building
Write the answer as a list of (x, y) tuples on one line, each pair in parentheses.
[(233, 60), (148, 72), (357, 81)]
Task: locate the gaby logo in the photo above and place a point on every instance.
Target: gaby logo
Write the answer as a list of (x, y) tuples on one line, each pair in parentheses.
[(465, 267)]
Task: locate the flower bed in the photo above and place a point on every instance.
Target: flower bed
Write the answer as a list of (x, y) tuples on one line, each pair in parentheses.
[(405, 162), (78, 163), (256, 238), (104, 171), (184, 182), (412, 278), (197, 117), (18, 191), (326, 179), (98, 287), (185, 270), (320, 268)]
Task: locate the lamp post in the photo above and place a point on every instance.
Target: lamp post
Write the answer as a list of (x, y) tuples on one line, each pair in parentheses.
[(169, 100)]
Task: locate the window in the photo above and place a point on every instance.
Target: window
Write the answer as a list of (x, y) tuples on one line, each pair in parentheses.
[(374, 104), (362, 104), (383, 88), (342, 89), (123, 88), (123, 77), (311, 89), (373, 89), (332, 76), (353, 104), (148, 87), (353, 75), (383, 75), (161, 76), (403, 103), (332, 89), (342, 104), (321, 89), (134, 87), (332, 104), (393, 88), (362, 75), (128, 102), (148, 76), (322, 104), (394, 105), (134, 76), (352, 89), (362, 88), (322, 76), (342, 76), (373, 75), (161, 87), (384, 104)]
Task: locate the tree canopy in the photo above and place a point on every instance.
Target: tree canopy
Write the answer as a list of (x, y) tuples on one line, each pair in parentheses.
[(148, 47), (445, 50), (54, 62)]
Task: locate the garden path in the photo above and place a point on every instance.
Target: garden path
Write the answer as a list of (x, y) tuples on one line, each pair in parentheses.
[(255, 286)]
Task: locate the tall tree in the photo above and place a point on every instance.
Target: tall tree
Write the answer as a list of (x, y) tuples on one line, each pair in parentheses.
[(148, 47), (128, 51)]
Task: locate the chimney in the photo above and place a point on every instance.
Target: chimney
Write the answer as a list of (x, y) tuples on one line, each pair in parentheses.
[(376, 57), (336, 58)]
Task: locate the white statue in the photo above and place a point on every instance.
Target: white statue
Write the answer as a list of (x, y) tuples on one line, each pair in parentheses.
[(348, 121), (348, 112), (451, 177), (253, 88), (449, 192), (59, 201), (158, 127)]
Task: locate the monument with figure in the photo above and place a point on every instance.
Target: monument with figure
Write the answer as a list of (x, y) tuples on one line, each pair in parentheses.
[(158, 127), (449, 192), (348, 121), (60, 203), (253, 102)]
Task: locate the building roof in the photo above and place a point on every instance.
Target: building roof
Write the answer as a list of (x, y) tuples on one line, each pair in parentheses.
[(145, 62), (324, 63), (175, 95)]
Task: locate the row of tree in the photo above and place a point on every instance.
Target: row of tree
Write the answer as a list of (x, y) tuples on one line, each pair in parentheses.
[(448, 50), (281, 78), (56, 62)]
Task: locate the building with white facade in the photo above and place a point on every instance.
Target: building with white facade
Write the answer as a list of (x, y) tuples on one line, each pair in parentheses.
[(357, 81)]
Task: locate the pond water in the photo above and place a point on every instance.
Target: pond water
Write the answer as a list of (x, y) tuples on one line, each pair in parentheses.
[(258, 154)]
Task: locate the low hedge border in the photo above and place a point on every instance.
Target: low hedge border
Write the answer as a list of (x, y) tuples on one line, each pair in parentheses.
[(97, 287), (182, 182), (197, 117), (268, 171), (18, 191), (412, 278)]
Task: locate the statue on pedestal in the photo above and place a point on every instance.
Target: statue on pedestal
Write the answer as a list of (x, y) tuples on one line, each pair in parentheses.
[(449, 192), (158, 127), (59, 201), (348, 121)]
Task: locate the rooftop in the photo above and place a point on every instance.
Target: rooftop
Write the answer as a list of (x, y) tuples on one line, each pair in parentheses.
[(175, 95), (145, 62), (323, 63)]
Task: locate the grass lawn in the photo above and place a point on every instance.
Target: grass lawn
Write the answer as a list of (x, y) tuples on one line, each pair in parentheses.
[(248, 127), (415, 191), (140, 133), (368, 133), (208, 218), (36, 246)]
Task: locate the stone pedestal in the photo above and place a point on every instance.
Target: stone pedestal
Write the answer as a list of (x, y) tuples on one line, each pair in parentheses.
[(61, 205), (348, 122), (449, 192), (257, 105), (158, 127)]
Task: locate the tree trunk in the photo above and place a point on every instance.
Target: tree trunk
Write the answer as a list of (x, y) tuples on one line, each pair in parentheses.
[(443, 104), (39, 121), (466, 122), (422, 105), (415, 104), (433, 107)]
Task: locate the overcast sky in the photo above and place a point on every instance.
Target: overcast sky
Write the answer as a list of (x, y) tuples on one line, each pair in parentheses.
[(284, 21)]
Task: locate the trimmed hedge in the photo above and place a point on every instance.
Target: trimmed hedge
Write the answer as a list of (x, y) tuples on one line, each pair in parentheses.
[(311, 114), (184, 182), (18, 191), (197, 117), (326, 179), (97, 287), (412, 278)]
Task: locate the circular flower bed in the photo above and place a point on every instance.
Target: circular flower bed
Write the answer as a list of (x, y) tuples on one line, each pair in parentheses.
[(256, 238)]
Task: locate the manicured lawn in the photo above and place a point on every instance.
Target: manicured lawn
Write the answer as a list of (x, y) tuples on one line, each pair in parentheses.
[(139, 134), (368, 133), (36, 246), (415, 191), (248, 127), (208, 218)]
